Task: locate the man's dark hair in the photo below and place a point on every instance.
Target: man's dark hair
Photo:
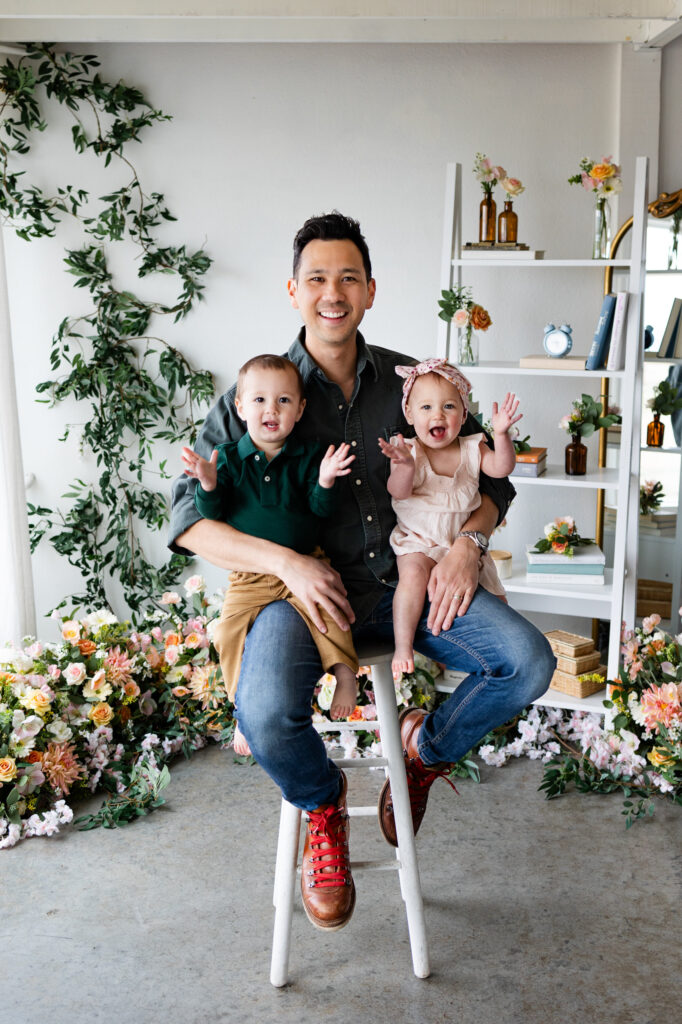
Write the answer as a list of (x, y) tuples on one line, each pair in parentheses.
[(270, 362), (331, 227)]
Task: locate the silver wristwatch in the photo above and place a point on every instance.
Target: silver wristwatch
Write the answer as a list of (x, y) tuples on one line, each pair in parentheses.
[(479, 539)]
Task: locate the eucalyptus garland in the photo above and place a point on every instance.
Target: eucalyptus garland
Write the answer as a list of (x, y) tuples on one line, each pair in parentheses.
[(139, 388)]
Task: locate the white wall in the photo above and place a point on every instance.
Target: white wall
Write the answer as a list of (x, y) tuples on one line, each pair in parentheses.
[(263, 136)]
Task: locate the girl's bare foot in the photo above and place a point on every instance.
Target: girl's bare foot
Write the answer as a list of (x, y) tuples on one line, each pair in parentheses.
[(239, 743), (346, 692), (403, 661)]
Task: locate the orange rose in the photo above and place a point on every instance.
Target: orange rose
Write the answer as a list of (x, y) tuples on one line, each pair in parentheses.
[(355, 715), (173, 640), (480, 318), (101, 714), (34, 757), (86, 647), (124, 713), (559, 546), (602, 171)]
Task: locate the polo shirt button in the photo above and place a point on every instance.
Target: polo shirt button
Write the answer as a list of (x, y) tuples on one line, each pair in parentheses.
[(369, 519), (257, 457), (267, 479), (358, 482)]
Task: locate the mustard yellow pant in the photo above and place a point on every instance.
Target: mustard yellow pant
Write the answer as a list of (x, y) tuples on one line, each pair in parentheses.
[(247, 595)]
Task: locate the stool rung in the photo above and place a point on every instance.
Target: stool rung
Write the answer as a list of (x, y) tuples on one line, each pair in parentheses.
[(392, 864), (366, 725), (360, 762), (362, 812)]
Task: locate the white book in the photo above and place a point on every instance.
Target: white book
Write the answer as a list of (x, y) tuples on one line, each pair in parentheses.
[(616, 360), (596, 580), (503, 254), (590, 554)]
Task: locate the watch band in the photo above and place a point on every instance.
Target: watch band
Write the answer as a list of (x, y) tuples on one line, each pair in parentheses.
[(476, 538)]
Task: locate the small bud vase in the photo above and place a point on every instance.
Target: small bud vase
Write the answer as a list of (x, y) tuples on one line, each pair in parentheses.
[(601, 239), (655, 432), (575, 459), (486, 218), (467, 347), (507, 224)]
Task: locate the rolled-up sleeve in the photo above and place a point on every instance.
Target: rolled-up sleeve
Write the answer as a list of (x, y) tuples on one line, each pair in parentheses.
[(220, 426)]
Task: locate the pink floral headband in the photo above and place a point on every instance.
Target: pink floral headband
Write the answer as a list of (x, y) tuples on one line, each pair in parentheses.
[(440, 366)]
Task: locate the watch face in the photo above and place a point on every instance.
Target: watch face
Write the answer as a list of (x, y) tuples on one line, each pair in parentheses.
[(556, 343)]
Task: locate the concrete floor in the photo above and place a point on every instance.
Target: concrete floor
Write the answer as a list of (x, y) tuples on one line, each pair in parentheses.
[(538, 913)]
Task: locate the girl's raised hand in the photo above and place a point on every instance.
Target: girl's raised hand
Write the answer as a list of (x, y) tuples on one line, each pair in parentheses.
[(336, 462), (203, 470), (505, 416), (396, 450)]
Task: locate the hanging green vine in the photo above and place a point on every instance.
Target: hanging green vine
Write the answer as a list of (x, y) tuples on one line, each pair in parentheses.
[(139, 388)]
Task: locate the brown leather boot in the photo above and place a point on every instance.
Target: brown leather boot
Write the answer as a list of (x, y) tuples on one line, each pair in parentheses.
[(420, 777), (327, 885)]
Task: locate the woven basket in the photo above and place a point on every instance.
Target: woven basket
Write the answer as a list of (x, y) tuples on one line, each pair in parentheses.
[(569, 644), (576, 666), (578, 686)]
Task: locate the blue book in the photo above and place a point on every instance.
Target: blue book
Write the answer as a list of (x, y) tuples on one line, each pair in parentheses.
[(600, 343)]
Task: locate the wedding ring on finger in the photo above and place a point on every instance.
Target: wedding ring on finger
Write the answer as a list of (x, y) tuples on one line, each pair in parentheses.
[(458, 597)]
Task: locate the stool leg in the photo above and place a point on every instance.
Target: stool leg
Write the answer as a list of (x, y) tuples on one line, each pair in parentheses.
[(285, 885), (384, 692)]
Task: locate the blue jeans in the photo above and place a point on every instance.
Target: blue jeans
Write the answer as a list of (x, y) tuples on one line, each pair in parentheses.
[(508, 660)]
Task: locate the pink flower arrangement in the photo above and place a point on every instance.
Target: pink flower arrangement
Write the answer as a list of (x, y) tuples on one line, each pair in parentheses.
[(600, 176)]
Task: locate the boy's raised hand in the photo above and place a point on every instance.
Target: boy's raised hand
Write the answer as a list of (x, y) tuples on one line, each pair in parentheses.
[(396, 450), (203, 470), (336, 462), (505, 416)]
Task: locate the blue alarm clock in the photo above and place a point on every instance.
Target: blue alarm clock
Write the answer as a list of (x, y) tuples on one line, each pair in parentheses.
[(557, 341)]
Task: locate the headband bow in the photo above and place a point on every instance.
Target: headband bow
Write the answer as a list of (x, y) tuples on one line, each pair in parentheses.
[(441, 367)]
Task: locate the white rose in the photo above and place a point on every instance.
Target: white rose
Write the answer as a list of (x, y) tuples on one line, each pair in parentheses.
[(195, 585), (170, 597), (74, 673), (60, 730), (101, 617), (461, 318)]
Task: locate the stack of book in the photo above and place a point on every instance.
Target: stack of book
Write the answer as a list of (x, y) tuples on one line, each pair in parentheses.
[(661, 523), (577, 664), (654, 596), (531, 463), (500, 250), (608, 344), (585, 567)]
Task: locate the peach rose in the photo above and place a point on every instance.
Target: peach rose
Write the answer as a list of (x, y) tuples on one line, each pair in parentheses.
[(461, 318), (101, 714), (8, 769), (71, 631), (480, 318), (173, 640), (38, 702), (602, 171), (86, 647), (356, 714)]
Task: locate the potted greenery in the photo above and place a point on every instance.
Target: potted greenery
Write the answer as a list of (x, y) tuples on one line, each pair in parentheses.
[(665, 401), (585, 418)]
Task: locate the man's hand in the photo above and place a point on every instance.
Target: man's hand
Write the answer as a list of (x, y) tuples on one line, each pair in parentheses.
[(201, 469), (318, 586), (452, 585), (335, 463)]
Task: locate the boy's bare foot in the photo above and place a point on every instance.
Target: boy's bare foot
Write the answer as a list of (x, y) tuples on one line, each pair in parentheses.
[(239, 743), (403, 661), (346, 692)]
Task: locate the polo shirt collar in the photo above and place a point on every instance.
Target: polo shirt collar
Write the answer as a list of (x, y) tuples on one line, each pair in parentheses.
[(307, 365), (246, 447)]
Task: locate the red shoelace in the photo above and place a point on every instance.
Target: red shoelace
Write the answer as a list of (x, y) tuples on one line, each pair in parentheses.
[(419, 781), (328, 826)]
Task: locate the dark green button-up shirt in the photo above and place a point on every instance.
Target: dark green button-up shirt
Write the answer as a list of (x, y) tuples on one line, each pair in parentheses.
[(356, 536), (280, 500)]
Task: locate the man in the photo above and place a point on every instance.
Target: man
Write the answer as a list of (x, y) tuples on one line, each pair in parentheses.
[(354, 395)]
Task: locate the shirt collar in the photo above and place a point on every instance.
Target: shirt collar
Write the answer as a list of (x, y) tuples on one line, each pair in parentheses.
[(299, 355), (246, 447)]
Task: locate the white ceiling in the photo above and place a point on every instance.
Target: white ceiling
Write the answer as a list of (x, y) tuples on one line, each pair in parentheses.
[(640, 22)]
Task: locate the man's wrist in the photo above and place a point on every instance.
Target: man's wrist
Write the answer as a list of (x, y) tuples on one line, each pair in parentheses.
[(475, 537)]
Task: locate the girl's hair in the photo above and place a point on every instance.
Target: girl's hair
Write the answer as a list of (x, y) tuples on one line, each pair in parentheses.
[(270, 362)]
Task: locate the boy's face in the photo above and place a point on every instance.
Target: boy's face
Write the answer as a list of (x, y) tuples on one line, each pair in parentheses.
[(435, 410), (270, 403), (331, 292)]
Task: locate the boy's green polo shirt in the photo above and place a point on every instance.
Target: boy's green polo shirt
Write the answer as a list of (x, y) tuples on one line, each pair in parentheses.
[(280, 500)]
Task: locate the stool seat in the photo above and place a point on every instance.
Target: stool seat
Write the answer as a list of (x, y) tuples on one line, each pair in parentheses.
[(378, 656)]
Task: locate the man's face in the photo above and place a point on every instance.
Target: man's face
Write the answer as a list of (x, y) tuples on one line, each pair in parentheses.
[(331, 292)]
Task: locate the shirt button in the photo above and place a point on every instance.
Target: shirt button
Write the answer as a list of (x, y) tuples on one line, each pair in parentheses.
[(354, 444), (341, 406), (267, 479), (358, 482), (371, 554), (257, 457), (369, 519)]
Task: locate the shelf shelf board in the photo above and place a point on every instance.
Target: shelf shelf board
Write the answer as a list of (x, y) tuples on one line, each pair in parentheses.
[(490, 367), (556, 699), (518, 583), (672, 450), (651, 357), (555, 476), (505, 261)]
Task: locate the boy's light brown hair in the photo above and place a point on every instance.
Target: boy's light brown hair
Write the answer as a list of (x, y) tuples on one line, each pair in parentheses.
[(269, 362)]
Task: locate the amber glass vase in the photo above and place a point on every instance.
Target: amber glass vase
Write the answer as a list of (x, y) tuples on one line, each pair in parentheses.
[(486, 218), (507, 224), (575, 459), (655, 431)]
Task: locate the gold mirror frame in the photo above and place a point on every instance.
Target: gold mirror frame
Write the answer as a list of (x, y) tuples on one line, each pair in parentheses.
[(665, 206)]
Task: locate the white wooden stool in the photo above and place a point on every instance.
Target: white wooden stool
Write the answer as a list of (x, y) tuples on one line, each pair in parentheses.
[(405, 860)]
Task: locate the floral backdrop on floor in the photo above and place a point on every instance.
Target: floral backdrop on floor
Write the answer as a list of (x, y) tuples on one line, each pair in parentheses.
[(108, 706)]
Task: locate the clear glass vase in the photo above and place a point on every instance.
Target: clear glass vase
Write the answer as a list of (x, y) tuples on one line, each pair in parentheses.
[(601, 240), (467, 347)]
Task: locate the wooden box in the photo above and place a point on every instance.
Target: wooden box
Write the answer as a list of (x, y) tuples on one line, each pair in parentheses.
[(569, 644), (578, 686)]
